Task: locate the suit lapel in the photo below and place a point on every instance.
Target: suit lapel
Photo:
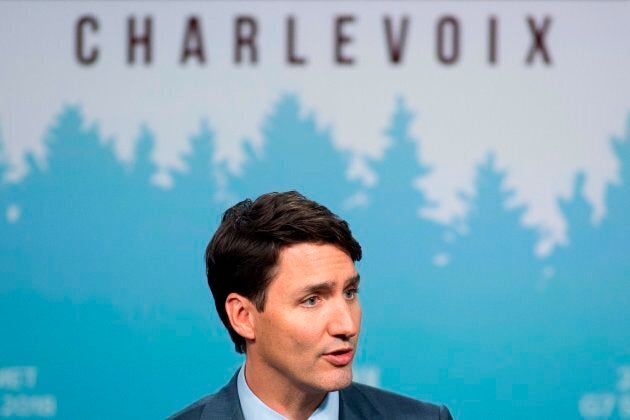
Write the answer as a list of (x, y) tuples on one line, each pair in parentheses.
[(354, 405)]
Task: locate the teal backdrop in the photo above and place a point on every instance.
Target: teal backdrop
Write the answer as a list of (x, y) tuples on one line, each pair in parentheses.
[(105, 312)]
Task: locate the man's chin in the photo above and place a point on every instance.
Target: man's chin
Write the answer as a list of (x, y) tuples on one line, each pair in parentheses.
[(339, 379)]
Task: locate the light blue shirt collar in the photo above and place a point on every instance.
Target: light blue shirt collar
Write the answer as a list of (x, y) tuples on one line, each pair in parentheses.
[(254, 409)]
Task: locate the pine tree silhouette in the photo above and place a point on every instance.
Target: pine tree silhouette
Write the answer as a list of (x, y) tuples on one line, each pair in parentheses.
[(576, 264), (592, 277), (615, 226), (194, 210), (68, 210), (615, 231), (398, 244), (493, 271), (398, 276), (296, 156), (490, 305), (143, 168), (199, 183), (142, 225), (578, 213), (142, 250)]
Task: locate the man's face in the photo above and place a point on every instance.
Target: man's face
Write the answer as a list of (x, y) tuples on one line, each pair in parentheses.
[(307, 334)]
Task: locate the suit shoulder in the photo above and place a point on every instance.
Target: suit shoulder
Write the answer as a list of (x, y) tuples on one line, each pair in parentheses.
[(194, 410), (222, 404), (405, 407), (219, 405)]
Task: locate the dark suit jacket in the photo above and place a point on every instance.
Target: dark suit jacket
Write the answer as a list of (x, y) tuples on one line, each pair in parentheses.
[(357, 402)]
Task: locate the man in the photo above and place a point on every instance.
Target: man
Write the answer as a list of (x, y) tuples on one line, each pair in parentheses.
[(281, 271)]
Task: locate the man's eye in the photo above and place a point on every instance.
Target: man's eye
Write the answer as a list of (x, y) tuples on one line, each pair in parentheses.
[(351, 293), (310, 301)]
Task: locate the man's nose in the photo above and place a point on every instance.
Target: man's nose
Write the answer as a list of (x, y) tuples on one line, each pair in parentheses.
[(345, 319)]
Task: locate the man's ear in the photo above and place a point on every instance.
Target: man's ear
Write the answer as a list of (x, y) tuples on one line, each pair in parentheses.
[(240, 313)]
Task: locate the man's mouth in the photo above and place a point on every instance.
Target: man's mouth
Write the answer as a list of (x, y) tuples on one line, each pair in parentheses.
[(340, 357)]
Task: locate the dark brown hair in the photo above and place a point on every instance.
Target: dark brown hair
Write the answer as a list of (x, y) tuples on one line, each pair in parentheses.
[(242, 255)]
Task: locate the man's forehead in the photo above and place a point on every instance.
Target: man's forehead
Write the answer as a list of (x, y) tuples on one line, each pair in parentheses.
[(309, 263), (311, 250)]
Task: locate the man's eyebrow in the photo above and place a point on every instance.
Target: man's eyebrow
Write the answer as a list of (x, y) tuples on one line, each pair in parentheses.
[(318, 287), (354, 280), (326, 286)]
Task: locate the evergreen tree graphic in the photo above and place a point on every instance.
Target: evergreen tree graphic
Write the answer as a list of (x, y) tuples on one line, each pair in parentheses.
[(199, 183), (143, 168), (615, 226), (578, 214), (592, 280), (68, 208), (194, 211), (615, 243), (493, 272), (490, 313), (587, 297), (295, 156), (399, 279), (399, 245)]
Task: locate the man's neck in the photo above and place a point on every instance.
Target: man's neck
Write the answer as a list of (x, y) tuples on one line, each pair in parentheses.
[(276, 391)]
